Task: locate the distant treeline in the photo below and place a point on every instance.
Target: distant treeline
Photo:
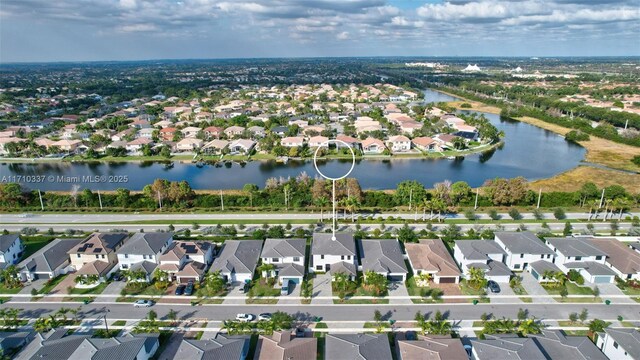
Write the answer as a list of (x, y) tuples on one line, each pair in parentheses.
[(304, 193)]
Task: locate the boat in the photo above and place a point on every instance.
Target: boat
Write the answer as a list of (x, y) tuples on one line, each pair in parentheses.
[(451, 157), (168, 165)]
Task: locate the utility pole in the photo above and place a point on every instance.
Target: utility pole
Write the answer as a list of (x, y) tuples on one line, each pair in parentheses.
[(475, 206), (539, 197), (626, 124), (410, 195), (601, 199), (41, 202), (334, 211), (221, 201), (159, 200), (100, 199)]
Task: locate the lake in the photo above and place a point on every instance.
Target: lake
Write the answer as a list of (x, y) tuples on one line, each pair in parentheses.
[(528, 151)]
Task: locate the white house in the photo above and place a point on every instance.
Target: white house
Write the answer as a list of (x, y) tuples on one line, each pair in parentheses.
[(49, 262), (522, 248), (581, 255), (237, 260), (399, 143), (334, 255), (143, 248), (482, 254), (287, 255), (620, 343), (11, 249), (384, 257)]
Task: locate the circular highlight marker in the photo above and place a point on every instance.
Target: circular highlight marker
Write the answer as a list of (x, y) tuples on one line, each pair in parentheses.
[(326, 143)]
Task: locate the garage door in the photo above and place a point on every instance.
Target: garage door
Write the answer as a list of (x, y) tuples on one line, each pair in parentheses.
[(292, 279), (447, 280), (602, 279), (43, 276), (396, 278), (186, 279), (535, 274)]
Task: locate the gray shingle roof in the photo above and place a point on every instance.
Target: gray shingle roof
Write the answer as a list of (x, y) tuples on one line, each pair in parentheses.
[(13, 340), (239, 256), (49, 258), (146, 266), (506, 347), (575, 247), (7, 240), (556, 345), (524, 242), (343, 245), (541, 266), (220, 348), (382, 256), (281, 248), (628, 339), (343, 267), (145, 243), (357, 347), (591, 267), (478, 249), (290, 270)]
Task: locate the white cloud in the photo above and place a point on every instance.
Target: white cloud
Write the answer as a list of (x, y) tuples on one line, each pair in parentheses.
[(343, 35)]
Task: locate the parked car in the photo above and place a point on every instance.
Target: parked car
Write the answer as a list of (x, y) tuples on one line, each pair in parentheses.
[(143, 303), (264, 316), (493, 286), (285, 288), (117, 276), (300, 332), (245, 317), (188, 290), (180, 289)]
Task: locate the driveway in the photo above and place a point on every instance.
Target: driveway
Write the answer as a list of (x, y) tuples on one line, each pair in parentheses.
[(294, 291), (235, 296), (322, 288), (114, 289), (398, 290), (67, 282), (534, 289), (612, 289), (37, 284), (505, 290)]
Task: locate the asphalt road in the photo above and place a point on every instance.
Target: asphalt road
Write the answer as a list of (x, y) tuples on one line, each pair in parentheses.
[(221, 312)]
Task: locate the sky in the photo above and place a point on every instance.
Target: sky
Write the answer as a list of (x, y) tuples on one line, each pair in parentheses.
[(96, 30)]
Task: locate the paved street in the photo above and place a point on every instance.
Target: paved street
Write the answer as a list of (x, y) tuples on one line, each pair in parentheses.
[(557, 311)]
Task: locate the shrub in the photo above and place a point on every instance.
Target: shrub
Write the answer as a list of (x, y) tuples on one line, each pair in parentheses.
[(559, 214), (575, 276), (515, 214), (493, 214), (576, 135), (636, 160)]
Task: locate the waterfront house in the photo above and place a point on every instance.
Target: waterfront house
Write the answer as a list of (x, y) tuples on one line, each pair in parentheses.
[(292, 141), (372, 146), (350, 141), (241, 146), (288, 257), (68, 145), (49, 262), (137, 144), (425, 143), (432, 257), (482, 254), (237, 260), (329, 255), (189, 144), (11, 249), (399, 143), (215, 146), (317, 141)]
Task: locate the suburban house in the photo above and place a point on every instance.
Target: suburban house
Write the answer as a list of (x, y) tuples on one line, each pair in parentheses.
[(257, 131), (430, 348), (55, 345), (96, 255), (623, 260), (49, 262), (522, 248), (213, 132), (189, 144), (215, 146), (372, 146), (317, 141), (233, 131), (581, 255), (12, 341), (292, 141), (137, 144), (384, 257), (350, 141), (557, 345), (399, 143), (243, 146), (221, 347), (142, 251), (287, 255), (425, 143), (11, 249), (357, 346), (432, 257), (167, 133), (482, 254), (237, 260), (620, 343), (333, 256), (283, 346), (187, 260), (541, 268)]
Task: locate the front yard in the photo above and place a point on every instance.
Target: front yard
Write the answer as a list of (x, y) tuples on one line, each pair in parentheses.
[(141, 288), (572, 289), (93, 291), (466, 289), (51, 284), (6, 290)]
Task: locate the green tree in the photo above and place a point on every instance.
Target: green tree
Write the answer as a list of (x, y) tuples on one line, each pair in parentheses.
[(407, 235)]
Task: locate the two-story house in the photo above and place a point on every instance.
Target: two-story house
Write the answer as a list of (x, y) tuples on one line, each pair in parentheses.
[(334, 255), (287, 255), (96, 255), (11, 249), (581, 255), (620, 343), (142, 251), (187, 260), (522, 248), (482, 254)]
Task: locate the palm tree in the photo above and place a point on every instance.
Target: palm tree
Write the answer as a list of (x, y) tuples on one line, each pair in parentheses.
[(548, 275), (266, 270), (427, 205), (477, 278), (560, 278), (342, 280), (439, 206), (267, 326), (321, 202), (63, 312), (352, 205), (231, 326), (529, 326)]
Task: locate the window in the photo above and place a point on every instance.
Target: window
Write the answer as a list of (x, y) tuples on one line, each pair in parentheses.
[(598, 257), (348, 257), (322, 257), (103, 256), (275, 260), (342, 257), (78, 255), (126, 256), (516, 266), (541, 256), (319, 267), (97, 256), (521, 256), (615, 344), (125, 266), (578, 258), (296, 258)]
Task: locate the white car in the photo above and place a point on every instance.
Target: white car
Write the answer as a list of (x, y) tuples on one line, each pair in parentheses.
[(264, 316), (143, 303), (245, 317)]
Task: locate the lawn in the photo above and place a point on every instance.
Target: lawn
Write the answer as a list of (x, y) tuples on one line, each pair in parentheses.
[(361, 301), (261, 301), (567, 323), (579, 300), (321, 344), (93, 291), (119, 323), (5, 290), (34, 243), (262, 287), (572, 289), (87, 299), (373, 325), (631, 291), (141, 289), (49, 285), (468, 290)]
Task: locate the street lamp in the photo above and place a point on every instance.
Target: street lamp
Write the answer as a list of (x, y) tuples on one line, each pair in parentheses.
[(105, 321)]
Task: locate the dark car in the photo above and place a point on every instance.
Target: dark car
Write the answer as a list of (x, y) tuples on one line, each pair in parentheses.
[(180, 289), (493, 286), (117, 277), (188, 290), (301, 332)]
